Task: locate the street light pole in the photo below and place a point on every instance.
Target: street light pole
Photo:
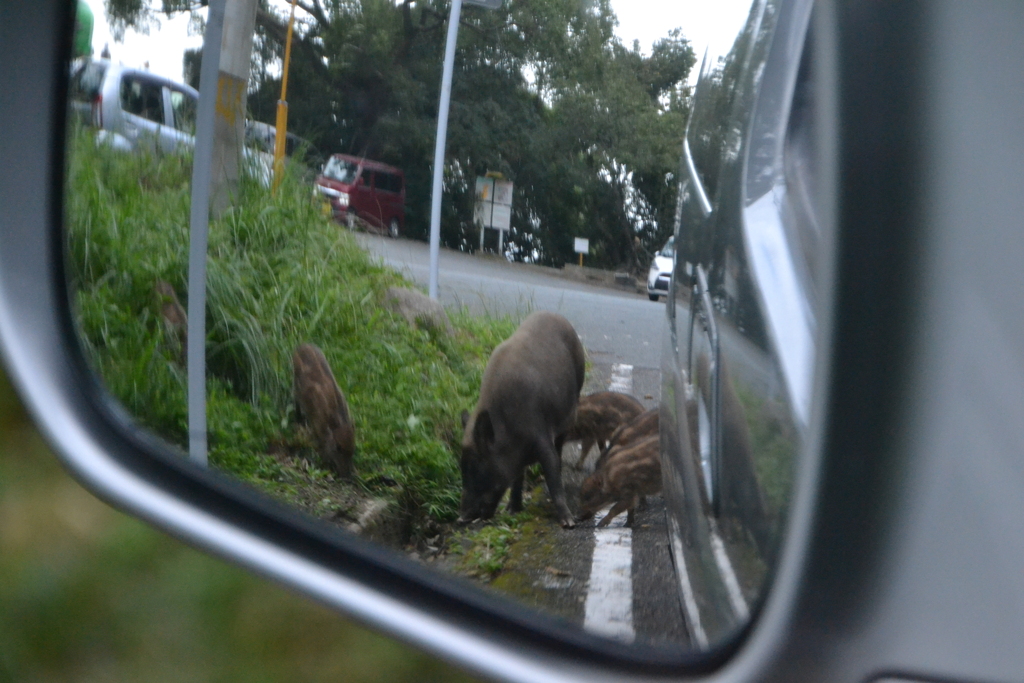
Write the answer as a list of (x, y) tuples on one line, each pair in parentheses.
[(442, 133), (439, 143)]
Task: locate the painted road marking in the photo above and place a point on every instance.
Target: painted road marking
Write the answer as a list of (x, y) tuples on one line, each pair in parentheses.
[(622, 378), (608, 610), (609, 607), (689, 599), (732, 584)]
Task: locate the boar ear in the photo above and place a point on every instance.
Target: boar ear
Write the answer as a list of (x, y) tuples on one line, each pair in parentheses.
[(465, 418), (483, 430)]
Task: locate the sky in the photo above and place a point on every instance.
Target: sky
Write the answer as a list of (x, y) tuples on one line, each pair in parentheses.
[(703, 22)]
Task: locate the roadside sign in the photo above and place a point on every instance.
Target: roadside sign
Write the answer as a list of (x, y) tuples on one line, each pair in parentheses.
[(581, 245), (493, 207)]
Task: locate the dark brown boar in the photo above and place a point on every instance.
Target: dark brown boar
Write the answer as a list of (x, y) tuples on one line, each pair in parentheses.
[(527, 405), (598, 416), (640, 427), (320, 403), (173, 316), (630, 471)]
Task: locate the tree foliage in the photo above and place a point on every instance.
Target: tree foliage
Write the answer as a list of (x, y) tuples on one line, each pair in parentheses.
[(588, 129)]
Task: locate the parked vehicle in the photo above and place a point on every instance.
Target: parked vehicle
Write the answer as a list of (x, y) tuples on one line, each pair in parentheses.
[(262, 136), (135, 109), (369, 190), (660, 272)]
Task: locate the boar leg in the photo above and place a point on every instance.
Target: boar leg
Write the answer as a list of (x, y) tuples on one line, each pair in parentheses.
[(616, 511), (551, 464), (515, 497)]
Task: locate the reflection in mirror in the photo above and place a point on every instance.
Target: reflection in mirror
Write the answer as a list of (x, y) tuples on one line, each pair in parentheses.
[(530, 433)]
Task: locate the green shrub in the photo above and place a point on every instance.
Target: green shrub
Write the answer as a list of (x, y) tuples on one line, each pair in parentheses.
[(279, 274)]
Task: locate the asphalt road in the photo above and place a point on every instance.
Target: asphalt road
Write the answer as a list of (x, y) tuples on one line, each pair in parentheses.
[(618, 328)]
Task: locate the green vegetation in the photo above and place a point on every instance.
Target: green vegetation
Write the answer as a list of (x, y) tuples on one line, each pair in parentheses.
[(279, 274), (482, 552), (774, 446), (543, 92), (90, 594)]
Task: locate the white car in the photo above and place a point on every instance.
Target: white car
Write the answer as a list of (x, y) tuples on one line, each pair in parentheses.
[(661, 271)]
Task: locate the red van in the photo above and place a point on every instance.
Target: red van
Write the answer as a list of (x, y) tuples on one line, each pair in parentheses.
[(366, 189)]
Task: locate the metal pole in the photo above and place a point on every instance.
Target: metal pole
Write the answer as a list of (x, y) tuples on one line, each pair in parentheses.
[(281, 133), (200, 221), (442, 134)]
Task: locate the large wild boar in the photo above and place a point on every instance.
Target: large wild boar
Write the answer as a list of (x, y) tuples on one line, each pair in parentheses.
[(598, 416), (528, 398), (630, 471), (642, 426), (320, 403)]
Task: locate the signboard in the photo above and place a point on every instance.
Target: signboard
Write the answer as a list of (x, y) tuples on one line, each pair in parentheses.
[(582, 245), (493, 207), (501, 217)]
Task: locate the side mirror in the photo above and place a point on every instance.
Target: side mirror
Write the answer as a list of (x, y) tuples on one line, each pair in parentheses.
[(861, 277)]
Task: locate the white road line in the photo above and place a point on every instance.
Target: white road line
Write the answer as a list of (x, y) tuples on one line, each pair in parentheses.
[(689, 599), (608, 610), (609, 607), (732, 584), (622, 378)]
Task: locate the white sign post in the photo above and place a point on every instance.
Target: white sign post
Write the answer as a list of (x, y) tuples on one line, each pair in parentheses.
[(581, 247)]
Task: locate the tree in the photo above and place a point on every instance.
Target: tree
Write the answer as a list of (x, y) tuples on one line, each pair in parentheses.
[(589, 130)]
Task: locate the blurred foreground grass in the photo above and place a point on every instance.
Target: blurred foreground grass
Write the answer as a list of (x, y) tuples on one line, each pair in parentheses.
[(90, 594)]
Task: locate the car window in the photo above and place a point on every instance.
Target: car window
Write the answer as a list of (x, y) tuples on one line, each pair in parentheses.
[(143, 98), (342, 170), (389, 182), (183, 108)]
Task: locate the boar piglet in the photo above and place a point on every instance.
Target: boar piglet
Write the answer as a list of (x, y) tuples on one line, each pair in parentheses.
[(640, 427), (598, 416), (174, 317), (629, 472), (320, 403), (528, 398)]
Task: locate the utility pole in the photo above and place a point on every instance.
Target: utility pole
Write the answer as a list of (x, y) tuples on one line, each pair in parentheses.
[(198, 230), (232, 84), (442, 133)]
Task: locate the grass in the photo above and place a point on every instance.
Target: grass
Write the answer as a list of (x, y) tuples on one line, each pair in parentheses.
[(279, 274), (482, 551), (90, 594)]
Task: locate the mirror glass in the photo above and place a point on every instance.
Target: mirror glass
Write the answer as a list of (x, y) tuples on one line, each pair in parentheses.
[(599, 415)]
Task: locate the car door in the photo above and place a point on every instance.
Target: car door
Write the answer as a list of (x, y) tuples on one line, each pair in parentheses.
[(180, 105), (735, 405), (388, 187), (142, 109)]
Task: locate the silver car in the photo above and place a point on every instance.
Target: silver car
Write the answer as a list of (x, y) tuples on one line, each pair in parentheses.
[(133, 108)]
